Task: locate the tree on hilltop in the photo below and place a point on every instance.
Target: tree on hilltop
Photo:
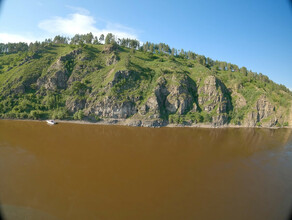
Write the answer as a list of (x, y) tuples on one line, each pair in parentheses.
[(101, 38), (110, 38)]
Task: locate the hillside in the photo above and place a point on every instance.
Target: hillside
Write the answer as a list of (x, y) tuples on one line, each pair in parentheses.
[(96, 82)]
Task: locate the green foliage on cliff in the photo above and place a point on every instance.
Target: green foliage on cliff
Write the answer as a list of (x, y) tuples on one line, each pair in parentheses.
[(55, 79)]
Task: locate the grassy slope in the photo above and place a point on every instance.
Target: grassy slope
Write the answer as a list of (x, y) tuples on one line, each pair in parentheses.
[(96, 75)]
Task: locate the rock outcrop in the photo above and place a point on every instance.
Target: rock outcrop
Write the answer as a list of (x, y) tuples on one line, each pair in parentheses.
[(219, 120), (58, 73), (263, 113), (111, 108), (57, 79), (212, 94), (213, 97), (181, 96), (73, 105), (121, 75), (151, 107), (154, 106), (239, 100), (171, 96), (112, 59)]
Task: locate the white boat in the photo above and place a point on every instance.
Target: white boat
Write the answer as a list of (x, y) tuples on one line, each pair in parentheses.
[(51, 122)]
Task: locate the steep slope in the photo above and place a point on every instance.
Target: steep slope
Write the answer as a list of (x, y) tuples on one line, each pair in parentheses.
[(290, 117), (105, 81)]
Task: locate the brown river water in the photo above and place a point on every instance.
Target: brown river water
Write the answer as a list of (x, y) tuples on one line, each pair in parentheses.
[(75, 171)]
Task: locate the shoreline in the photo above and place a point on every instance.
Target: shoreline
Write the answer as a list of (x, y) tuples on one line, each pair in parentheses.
[(144, 123)]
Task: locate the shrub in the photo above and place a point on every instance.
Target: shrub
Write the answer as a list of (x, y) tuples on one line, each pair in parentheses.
[(23, 115), (176, 119), (195, 117), (206, 117), (93, 117), (173, 119), (79, 115), (59, 114), (35, 114), (10, 115), (171, 58)]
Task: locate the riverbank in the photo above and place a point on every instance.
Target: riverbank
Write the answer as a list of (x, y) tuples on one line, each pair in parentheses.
[(146, 123)]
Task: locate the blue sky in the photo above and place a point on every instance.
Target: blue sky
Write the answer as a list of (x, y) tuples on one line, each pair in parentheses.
[(256, 34)]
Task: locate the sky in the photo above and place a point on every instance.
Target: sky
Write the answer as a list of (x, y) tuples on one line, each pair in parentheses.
[(255, 34)]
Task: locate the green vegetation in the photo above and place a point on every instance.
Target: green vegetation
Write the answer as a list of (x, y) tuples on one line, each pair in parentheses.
[(57, 77), (79, 115)]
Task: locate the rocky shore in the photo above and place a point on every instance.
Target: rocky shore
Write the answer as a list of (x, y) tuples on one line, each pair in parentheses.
[(147, 123)]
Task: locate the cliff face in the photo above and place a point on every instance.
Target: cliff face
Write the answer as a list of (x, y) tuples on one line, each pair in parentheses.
[(149, 91), (263, 113), (213, 96), (58, 73)]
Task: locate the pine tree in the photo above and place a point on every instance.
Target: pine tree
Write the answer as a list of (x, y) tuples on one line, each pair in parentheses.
[(101, 38)]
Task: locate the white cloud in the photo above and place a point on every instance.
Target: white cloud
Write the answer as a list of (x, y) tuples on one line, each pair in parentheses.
[(12, 38), (75, 24), (81, 23)]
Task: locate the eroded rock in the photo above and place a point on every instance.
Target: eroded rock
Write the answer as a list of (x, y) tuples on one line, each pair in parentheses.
[(73, 105), (58, 74), (111, 108), (262, 113), (212, 95), (181, 96)]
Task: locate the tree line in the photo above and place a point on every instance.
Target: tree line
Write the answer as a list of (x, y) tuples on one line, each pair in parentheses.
[(159, 49), (81, 39)]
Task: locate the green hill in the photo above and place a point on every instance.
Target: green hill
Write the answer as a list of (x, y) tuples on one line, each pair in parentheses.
[(94, 82)]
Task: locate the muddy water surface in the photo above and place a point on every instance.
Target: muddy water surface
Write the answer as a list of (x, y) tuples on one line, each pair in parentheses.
[(72, 171)]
